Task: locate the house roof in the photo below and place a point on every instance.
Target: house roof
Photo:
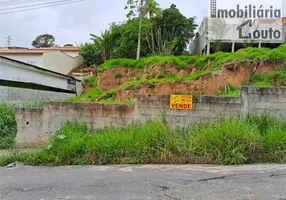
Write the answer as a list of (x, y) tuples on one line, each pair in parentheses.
[(38, 50), (36, 67)]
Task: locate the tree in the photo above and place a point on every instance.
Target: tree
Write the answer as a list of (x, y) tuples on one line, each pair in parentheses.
[(68, 45), (45, 40), (124, 38), (92, 54), (141, 8), (149, 7), (103, 42), (175, 26)]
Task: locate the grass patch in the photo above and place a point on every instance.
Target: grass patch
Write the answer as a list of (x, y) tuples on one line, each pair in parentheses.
[(256, 139), (118, 75), (267, 80), (89, 96), (230, 90), (90, 81), (8, 126), (217, 59)]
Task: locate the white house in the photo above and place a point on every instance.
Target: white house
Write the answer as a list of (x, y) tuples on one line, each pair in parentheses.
[(226, 32), (58, 59)]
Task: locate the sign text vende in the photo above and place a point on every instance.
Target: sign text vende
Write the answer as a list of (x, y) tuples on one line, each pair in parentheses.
[(181, 102)]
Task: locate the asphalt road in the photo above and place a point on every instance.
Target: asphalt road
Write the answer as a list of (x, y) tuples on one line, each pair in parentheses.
[(144, 182)]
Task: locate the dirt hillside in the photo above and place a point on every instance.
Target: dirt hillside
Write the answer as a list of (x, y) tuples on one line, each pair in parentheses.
[(210, 84)]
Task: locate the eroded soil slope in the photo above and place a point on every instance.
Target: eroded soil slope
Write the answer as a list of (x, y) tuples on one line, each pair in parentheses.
[(171, 80)]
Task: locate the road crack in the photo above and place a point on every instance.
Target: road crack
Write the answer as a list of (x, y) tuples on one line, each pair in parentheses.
[(166, 194), (276, 175), (209, 179), (5, 194), (31, 189)]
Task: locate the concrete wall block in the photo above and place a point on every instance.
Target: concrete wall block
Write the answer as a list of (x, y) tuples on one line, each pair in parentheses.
[(262, 111), (153, 111), (263, 105), (263, 90), (175, 120), (210, 114), (201, 106), (218, 107), (181, 113), (195, 113), (232, 107), (282, 98), (192, 120), (228, 100), (278, 106), (228, 114), (280, 113), (152, 104), (205, 99), (164, 98), (264, 97), (168, 111)]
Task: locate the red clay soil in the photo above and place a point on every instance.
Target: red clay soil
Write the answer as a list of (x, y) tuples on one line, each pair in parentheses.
[(108, 81), (211, 84)]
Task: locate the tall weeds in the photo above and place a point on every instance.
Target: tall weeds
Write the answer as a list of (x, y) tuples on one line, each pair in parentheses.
[(229, 141), (8, 126)]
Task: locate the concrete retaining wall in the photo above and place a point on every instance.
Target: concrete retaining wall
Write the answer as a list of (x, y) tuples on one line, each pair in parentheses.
[(204, 108), (34, 125), (18, 96)]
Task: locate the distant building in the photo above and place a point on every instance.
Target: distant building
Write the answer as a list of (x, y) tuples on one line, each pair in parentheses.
[(58, 59), (203, 43)]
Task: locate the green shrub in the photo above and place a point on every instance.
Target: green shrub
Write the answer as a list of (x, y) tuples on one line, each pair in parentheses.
[(200, 63), (163, 74), (8, 126), (229, 90), (89, 96), (181, 65), (118, 75), (90, 81)]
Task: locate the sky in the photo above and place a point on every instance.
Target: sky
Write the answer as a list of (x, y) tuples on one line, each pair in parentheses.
[(73, 23)]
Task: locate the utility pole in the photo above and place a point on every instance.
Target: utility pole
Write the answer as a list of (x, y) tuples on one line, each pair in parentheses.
[(8, 40), (140, 27)]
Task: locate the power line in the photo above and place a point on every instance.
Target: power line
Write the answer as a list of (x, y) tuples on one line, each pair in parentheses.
[(10, 3), (16, 11), (36, 5)]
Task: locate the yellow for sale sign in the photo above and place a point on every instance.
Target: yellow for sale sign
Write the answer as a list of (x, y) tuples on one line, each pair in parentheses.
[(181, 102)]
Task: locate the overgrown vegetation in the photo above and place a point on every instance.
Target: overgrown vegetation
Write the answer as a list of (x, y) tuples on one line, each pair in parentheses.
[(205, 65), (163, 32), (217, 60), (229, 90), (235, 141), (8, 127), (90, 81), (277, 78), (96, 95)]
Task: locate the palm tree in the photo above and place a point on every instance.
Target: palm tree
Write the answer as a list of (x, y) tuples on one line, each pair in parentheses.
[(102, 42), (142, 7), (150, 8)]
